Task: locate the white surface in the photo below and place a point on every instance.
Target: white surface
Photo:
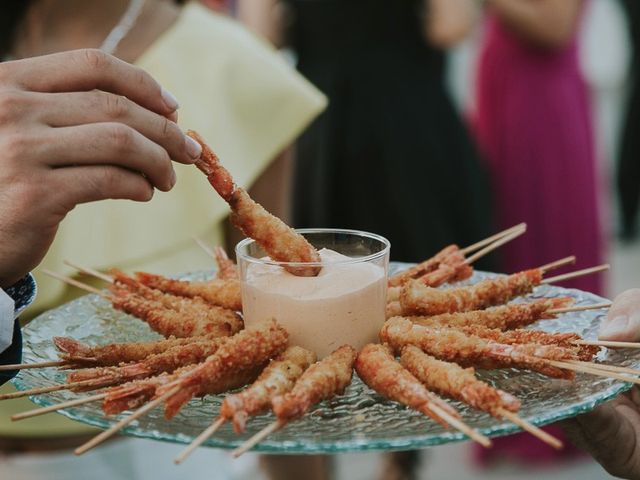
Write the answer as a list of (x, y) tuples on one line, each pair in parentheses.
[(7, 320)]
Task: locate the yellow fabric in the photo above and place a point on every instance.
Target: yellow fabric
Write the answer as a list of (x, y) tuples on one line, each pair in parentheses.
[(245, 100)]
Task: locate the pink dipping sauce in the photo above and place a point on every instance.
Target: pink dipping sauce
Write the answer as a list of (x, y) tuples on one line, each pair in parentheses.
[(345, 303)]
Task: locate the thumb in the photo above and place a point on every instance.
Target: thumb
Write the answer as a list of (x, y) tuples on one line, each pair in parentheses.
[(623, 320)]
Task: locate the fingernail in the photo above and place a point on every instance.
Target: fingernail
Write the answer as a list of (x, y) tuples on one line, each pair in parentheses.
[(194, 149), (169, 99), (615, 328), (173, 178)]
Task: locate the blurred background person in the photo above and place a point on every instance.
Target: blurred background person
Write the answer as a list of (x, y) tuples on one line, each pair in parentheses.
[(534, 125), (628, 172), (390, 154), (231, 87)]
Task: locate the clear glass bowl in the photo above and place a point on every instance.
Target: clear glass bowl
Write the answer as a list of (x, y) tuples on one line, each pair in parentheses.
[(343, 304), (356, 421)]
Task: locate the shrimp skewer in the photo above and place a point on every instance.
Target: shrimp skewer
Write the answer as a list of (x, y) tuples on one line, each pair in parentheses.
[(453, 381), (377, 368), (279, 377), (514, 337), (505, 317), (195, 309), (244, 351), (187, 322), (417, 299), (76, 353), (468, 350), (450, 256), (277, 239), (166, 321), (168, 361), (223, 293), (321, 381)]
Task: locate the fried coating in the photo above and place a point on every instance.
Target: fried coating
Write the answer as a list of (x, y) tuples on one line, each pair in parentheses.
[(188, 322), (321, 381), (223, 293), (418, 299), (135, 394), (278, 240), (244, 351), (208, 318), (511, 337), (422, 268), (79, 354), (167, 361), (505, 317), (278, 378), (451, 380), (377, 368), (452, 345)]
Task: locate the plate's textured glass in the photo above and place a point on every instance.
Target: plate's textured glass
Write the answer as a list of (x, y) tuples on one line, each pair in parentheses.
[(358, 420)]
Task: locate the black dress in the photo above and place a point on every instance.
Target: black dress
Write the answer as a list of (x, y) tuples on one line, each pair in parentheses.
[(628, 174), (390, 154)]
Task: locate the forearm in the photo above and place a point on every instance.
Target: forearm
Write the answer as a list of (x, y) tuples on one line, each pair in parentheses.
[(448, 22), (546, 23)]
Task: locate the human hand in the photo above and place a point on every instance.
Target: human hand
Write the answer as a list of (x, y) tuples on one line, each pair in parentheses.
[(77, 127), (611, 432)]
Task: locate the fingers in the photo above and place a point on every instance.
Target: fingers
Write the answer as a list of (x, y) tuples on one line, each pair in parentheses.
[(623, 320), (76, 185), (107, 144), (77, 108), (88, 70), (610, 435)]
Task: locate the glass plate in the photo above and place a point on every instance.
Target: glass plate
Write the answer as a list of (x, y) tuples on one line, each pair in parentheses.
[(356, 421)]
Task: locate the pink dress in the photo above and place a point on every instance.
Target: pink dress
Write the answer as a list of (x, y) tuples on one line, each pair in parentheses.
[(534, 127)]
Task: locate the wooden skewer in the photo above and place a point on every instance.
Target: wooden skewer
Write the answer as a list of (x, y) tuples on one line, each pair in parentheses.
[(76, 283), (492, 238), (204, 247), (608, 343), (593, 371), (59, 406), (24, 366), (580, 308), (558, 263), (90, 271), (200, 439), (606, 367), (460, 425), (52, 388), (494, 245), (258, 437), (577, 273), (532, 429), (125, 421)]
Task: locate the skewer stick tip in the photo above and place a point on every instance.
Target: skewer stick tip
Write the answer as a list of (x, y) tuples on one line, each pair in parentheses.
[(199, 440), (532, 429), (257, 438)]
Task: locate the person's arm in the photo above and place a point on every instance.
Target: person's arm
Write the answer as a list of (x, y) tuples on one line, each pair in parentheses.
[(77, 127), (611, 432), (448, 22), (546, 23)]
